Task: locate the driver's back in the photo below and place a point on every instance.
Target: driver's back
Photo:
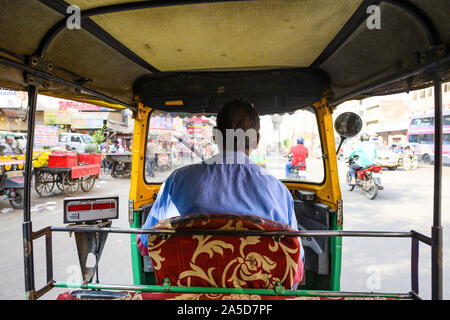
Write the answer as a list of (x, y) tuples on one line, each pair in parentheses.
[(240, 188)]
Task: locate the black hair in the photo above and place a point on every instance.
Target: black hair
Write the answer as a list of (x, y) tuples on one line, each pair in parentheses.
[(238, 114)]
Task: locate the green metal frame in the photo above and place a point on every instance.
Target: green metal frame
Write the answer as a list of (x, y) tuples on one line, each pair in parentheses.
[(167, 288), (139, 276)]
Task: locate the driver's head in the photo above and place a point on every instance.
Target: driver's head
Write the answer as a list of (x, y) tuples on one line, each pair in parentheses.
[(365, 137), (9, 140), (238, 114)]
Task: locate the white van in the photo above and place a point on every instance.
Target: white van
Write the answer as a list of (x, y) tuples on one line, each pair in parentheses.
[(78, 142)]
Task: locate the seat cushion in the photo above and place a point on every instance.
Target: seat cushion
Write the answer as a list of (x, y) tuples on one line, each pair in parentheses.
[(213, 296), (224, 261)]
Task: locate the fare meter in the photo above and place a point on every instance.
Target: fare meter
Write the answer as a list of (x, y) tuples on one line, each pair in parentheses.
[(79, 210)]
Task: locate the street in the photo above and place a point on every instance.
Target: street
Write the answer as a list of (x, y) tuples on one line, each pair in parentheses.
[(368, 264)]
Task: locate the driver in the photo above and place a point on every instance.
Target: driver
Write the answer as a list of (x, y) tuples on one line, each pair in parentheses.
[(367, 153), (239, 186)]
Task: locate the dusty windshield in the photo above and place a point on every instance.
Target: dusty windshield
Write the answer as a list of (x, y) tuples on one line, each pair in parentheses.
[(87, 139), (289, 147)]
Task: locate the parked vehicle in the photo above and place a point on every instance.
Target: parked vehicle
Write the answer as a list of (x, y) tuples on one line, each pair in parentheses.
[(387, 158), (120, 164), (259, 157), (77, 142), (67, 171), (410, 161), (20, 139), (421, 136), (12, 180), (367, 179)]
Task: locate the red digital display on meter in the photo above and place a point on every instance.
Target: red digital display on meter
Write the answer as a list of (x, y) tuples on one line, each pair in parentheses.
[(78, 210)]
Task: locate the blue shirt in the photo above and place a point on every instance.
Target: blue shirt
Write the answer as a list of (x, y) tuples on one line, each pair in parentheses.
[(214, 186), (367, 153)]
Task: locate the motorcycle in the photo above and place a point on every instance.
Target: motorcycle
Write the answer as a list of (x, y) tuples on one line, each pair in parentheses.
[(367, 179), (298, 172), (410, 161), (12, 183)]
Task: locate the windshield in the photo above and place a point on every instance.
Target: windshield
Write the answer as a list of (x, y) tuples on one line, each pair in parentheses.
[(87, 139), (180, 139)]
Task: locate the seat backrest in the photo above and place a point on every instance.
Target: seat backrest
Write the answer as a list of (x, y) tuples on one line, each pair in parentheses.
[(224, 261)]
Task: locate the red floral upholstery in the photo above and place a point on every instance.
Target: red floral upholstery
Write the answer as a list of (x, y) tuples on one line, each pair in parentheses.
[(218, 296), (223, 261)]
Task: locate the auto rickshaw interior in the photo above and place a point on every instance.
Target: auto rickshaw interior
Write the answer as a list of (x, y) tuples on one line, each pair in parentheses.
[(188, 58)]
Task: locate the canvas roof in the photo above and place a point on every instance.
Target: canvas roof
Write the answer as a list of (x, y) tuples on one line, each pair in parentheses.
[(283, 54)]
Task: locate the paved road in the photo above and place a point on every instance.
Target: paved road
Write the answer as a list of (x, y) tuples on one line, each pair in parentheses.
[(383, 264), (115, 264), (368, 264)]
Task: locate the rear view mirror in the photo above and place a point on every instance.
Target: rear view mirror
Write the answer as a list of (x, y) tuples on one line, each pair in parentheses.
[(348, 124)]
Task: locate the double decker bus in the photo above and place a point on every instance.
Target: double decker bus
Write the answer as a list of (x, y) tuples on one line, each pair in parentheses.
[(421, 136)]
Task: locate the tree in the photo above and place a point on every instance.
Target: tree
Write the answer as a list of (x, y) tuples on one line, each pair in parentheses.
[(98, 139)]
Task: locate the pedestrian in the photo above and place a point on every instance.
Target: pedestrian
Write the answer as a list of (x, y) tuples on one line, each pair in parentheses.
[(150, 163), (114, 147)]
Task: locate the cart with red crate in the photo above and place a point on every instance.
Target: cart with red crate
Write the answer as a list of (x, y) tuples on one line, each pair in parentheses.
[(68, 171), (120, 164)]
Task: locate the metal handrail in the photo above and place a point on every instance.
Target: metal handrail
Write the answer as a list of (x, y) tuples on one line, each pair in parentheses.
[(415, 236), (271, 292), (268, 233)]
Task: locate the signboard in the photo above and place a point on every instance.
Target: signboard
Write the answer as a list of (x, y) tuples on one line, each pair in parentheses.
[(86, 124), (56, 117), (161, 121), (13, 103), (80, 106), (78, 210), (195, 129), (46, 136)]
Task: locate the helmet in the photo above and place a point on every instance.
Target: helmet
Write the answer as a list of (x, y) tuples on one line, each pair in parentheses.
[(365, 137), (300, 140)]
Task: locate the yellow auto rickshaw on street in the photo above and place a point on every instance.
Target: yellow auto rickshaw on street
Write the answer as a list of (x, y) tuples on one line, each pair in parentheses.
[(187, 58)]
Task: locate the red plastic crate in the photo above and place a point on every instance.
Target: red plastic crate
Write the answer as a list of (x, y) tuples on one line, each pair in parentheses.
[(62, 160)]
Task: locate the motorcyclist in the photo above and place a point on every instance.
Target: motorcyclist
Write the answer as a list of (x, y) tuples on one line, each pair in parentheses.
[(299, 154), (367, 153)]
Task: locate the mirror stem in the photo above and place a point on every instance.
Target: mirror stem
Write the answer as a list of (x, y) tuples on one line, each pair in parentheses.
[(340, 144)]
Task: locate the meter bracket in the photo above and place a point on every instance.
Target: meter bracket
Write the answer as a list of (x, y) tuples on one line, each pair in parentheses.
[(90, 243)]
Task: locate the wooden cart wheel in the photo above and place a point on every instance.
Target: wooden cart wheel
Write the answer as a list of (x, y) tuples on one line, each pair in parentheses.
[(88, 184), (59, 179), (44, 183), (70, 187)]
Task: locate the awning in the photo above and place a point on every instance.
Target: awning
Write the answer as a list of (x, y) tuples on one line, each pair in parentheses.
[(117, 127)]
